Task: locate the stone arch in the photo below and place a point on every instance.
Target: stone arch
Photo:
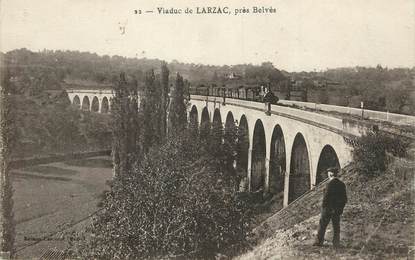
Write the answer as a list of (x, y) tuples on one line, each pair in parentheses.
[(193, 117), (243, 147), (95, 105), (299, 181), (230, 137), (277, 164), (230, 122), (104, 105), (205, 116), (85, 103), (258, 157), (205, 123), (76, 101), (217, 128), (217, 119), (328, 159)]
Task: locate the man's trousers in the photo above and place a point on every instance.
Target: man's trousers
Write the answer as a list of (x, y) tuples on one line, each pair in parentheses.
[(326, 216)]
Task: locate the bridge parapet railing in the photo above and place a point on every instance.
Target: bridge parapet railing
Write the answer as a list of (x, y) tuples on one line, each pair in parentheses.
[(332, 122), (305, 115), (394, 118), (91, 91), (368, 114)]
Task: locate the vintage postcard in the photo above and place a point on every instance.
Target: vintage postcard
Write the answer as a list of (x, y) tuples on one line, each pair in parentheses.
[(187, 129)]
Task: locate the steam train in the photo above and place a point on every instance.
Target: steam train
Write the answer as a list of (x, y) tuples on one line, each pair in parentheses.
[(253, 93), (248, 92)]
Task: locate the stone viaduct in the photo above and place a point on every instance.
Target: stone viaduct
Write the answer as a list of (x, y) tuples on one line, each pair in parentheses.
[(91, 100), (288, 151), (284, 153)]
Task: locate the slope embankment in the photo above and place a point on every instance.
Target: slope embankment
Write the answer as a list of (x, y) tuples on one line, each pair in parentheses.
[(378, 221)]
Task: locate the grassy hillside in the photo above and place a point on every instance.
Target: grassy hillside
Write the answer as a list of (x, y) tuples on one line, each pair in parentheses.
[(378, 221)]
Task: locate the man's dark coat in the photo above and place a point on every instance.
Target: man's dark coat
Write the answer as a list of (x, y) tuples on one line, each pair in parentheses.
[(270, 98), (334, 200), (335, 197)]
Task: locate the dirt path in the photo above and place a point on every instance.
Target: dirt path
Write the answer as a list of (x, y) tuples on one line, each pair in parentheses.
[(54, 197)]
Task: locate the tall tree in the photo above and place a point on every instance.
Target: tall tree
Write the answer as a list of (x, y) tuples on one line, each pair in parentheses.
[(164, 78), (125, 128), (7, 230), (177, 108), (151, 116)]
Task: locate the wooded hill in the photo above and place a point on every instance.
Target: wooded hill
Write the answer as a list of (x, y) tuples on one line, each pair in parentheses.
[(380, 88)]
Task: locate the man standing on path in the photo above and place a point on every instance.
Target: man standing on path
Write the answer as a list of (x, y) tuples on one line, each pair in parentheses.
[(269, 99), (334, 200)]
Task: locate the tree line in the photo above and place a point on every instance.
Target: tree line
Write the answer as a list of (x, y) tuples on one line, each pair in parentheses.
[(379, 88), (47, 69)]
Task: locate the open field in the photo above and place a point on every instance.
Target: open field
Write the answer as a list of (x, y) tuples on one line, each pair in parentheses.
[(53, 198)]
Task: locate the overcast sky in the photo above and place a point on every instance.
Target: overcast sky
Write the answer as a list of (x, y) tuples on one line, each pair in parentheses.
[(301, 35)]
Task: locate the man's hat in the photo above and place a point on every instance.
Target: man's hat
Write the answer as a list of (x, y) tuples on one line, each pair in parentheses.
[(334, 170)]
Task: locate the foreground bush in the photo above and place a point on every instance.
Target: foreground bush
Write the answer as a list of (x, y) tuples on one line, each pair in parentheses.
[(178, 203), (370, 154)]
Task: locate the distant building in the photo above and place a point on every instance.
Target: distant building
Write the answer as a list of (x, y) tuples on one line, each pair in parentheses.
[(233, 75), (296, 83), (319, 84), (314, 82)]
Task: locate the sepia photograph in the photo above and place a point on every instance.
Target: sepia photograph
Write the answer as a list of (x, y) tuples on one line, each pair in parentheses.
[(189, 129)]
